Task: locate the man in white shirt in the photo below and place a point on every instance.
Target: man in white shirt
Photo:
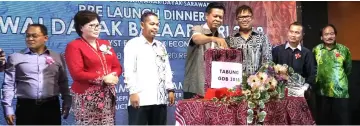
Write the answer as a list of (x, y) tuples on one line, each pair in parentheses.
[(148, 75)]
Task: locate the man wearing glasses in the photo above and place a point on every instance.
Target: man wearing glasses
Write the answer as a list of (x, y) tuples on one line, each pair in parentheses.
[(255, 45), (38, 75)]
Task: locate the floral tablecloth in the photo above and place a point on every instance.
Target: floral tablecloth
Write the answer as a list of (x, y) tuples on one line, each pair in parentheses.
[(289, 111)]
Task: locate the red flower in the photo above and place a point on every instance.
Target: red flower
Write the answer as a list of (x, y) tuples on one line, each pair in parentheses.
[(222, 92), (210, 94), (216, 93), (337, 54), (297, 55), (237, 92)]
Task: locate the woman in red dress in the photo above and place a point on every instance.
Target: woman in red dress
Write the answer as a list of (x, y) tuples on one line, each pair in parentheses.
[(95, 70)]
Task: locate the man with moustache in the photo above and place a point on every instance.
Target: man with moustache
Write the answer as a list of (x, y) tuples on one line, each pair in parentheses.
[(333, 68), (203, 37), (301, 59), (38, 75), (255, 45), (148, 75)]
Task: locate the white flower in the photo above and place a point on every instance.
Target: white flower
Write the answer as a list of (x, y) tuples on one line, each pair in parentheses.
[(160, 51), (263, 77), (262, 88), (105, 49)]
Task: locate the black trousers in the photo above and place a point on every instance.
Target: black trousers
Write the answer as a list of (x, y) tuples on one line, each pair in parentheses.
[(147, 115), (311, 99), (33, 112), (333, 111)]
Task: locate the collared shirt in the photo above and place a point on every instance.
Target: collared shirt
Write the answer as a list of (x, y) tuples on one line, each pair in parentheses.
[(34, 76), (256, 50), (195, 66), (288, 46), (147, 71), (333, 67)]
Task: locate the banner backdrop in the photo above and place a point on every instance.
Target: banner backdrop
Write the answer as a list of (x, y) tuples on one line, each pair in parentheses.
[(120, 23)]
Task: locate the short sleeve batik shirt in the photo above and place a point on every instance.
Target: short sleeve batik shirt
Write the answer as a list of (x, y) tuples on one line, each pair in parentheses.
[(333, 68)]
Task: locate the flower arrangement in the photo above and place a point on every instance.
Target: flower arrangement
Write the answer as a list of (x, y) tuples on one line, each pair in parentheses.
[(297, 55), (161, 52), (337, 54), (268, 84), (105, 49), (49, 60)]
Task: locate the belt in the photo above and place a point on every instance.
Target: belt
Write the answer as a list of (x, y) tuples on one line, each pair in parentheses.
[(38, 101)]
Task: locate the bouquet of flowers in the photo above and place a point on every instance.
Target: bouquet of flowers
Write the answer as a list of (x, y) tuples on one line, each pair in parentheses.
[(268, 84)]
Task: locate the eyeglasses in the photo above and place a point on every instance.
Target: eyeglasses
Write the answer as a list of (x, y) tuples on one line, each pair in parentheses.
[(242, 18), (94, 26), (35, 36)]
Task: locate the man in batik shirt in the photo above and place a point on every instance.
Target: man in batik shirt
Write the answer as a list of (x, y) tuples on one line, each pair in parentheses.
[(334, 65), (255, 45)]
